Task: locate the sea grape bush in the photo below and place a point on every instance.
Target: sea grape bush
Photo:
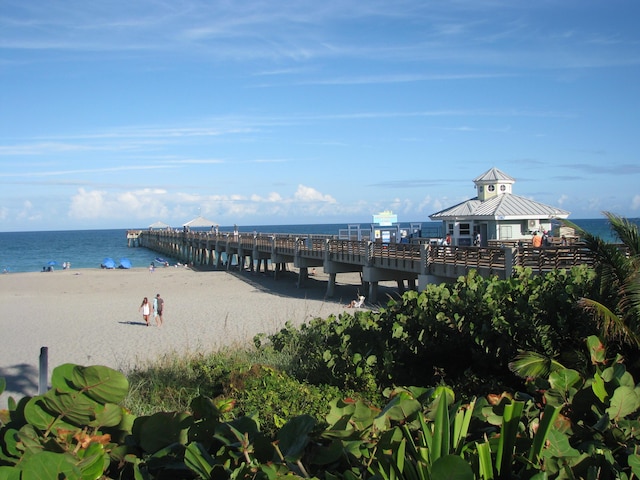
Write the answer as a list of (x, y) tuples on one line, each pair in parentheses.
[(568, 425), (469, 329)]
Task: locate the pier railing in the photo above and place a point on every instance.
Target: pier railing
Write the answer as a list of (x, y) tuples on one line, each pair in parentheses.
[(412, 259)]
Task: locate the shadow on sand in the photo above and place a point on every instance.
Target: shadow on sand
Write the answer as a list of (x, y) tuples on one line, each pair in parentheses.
[(22, 380), (314, 288), (137, 324)]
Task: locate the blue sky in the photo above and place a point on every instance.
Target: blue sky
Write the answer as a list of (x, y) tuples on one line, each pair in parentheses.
[(116, 114)]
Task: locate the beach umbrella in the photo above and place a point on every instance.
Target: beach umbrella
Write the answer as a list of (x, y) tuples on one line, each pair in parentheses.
[(51, 263), (109, 263), (125, 263)]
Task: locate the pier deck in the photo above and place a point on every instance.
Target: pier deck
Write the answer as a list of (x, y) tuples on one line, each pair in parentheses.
[(414, 262)]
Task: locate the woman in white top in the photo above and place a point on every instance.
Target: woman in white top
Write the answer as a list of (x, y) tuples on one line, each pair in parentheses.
[(145, 308)]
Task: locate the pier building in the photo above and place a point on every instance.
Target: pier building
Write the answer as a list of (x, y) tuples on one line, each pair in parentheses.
[(496, 216)]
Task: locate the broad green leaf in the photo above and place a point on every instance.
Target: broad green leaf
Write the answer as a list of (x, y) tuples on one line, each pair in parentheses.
[(597, 350), (11, 443), (451, 467), (61, 378), (564, 379), (557, 445), (48, 465), (401, 407), (294, 436), (634, 462), (599, 388), (75, 408), (508, 434), (9, 473), (102, 384), (199, 460), (485, 464), (36, 414), (109, 415), (162, 429), (93, 463), (623, 402), (441, 435), (545, 428), (461, 425)]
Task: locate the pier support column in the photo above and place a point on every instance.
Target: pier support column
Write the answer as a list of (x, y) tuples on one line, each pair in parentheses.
[(373, 291), (400, 284), (303, 274), (331, 285)]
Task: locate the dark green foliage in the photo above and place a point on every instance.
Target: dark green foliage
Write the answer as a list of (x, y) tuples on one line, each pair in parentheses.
[(467, 330), (272, 397)]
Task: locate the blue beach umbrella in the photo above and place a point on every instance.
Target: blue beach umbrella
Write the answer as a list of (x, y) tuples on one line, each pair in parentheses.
[(125, 263), (109, 263), (51, 263)]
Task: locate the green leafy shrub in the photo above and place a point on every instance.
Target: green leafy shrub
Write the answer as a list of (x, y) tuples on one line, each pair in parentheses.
[(471, 328), (271, 397), (568, 425)]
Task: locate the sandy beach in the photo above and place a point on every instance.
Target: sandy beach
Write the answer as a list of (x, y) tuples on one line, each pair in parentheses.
[(91, 317)]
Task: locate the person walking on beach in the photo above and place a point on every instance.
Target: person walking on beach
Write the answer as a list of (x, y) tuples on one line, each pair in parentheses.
[(155, 308), (145, 309), (158, 303)]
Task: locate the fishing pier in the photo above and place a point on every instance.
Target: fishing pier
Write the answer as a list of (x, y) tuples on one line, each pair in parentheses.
[(411, 265)]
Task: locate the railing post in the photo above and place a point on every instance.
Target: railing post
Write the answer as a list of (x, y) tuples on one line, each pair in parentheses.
[(509, 261), (425, 258), (43, 373)]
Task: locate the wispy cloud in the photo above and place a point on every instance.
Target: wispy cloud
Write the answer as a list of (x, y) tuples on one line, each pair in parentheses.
[(52, 173), (305, 30)]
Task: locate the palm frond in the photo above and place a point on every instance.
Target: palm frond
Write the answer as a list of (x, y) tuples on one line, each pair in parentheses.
[(611, 325), (534, 365), (626, 231)]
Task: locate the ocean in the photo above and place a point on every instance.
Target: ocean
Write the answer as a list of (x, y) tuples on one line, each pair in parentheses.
[(31, 251)]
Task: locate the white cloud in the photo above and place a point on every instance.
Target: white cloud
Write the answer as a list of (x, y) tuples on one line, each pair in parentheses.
[(96, 204), (27, 212), (426, 201), (635, 202), (563, 198), (309, 194)]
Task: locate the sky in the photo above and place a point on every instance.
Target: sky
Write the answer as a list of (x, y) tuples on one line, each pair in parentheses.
[(118, 114)]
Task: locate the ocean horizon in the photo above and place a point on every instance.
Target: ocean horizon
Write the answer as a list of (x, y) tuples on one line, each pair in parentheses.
[(31, 251)]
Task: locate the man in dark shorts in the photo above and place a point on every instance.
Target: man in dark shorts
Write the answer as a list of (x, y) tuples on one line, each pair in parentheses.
[(160, 309)]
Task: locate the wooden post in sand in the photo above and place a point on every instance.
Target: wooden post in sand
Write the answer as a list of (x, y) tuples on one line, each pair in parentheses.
[(43, 383)]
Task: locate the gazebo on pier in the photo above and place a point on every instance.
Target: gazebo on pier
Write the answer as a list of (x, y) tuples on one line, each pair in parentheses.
[(496, 214), (199, 222)]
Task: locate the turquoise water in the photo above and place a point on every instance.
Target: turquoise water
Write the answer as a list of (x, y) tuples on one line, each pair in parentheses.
[(31, 251)]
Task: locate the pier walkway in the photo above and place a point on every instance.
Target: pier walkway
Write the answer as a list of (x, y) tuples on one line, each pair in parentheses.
[(408, 264)]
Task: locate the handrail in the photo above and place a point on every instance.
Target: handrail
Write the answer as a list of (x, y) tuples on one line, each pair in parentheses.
[(401, 257)]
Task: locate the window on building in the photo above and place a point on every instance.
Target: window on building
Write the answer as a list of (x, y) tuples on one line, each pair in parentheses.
[(465, 228), (491, 188), (506, 232), (450, 230), (503, 188)]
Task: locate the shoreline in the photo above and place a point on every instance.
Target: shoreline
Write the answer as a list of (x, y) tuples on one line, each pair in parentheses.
[(90, 316)]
